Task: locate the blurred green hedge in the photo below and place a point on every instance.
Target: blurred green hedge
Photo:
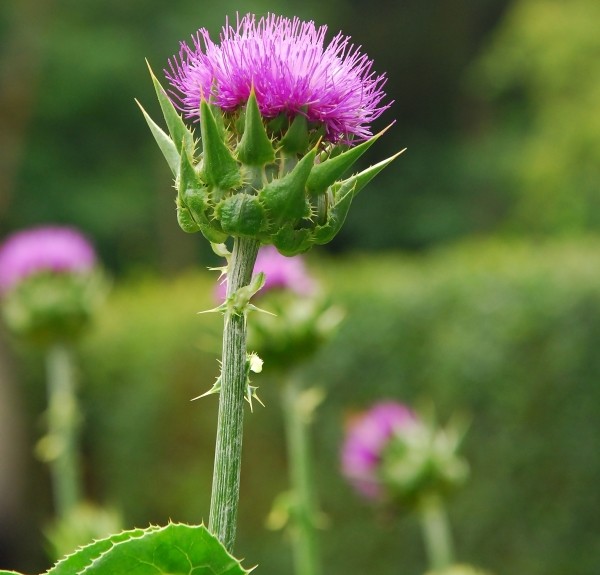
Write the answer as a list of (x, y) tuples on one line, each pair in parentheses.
[(509, 334), (506, 333)]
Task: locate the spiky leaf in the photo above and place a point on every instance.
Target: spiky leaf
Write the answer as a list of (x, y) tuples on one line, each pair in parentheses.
[(185, 220), (284, 198), (336, 214), (277, 124), (291, 242), (212, 234), (295, 140), (219, 119), (255, 147), (195, 199), (177, 128), (77, 562), (326, 173), (241, 215), (188, 177), (343, 194), (166, 145), (360, 180), (172, 550), (220, 168)]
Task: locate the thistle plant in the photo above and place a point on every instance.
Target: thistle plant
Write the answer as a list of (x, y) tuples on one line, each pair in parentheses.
[(395, 457), (50, 287), (283, 116)]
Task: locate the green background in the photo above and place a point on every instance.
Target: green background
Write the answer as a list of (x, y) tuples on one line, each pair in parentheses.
[(468, 269)]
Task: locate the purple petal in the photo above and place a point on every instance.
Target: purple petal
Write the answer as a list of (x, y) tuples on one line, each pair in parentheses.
[(48, 248), (365, 440), (291, 69)]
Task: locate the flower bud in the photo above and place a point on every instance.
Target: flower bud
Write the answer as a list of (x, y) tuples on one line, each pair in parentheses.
[(49, 283), (301, 320), (279, 115), (391, 454)]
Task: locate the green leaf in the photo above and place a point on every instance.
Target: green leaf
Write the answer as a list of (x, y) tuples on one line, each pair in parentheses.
[(213, 235), (241, 215), (219, 168), (284, 198), (343, 193), (191, 191), (78, 562), (177, 128), (176, 549), (188, 177), (219, 119), (185, 220), (166, 145), (295, 140), (277, 124), (2, 572), (326, 173), (291, 242), (336, 214), (255, 147), (360, 180), (195, 200), (192, 196)]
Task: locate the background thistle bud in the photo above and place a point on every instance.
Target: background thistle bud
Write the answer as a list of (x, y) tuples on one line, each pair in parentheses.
[(279, 112), (49, 283), (301, 319), (392, 454)]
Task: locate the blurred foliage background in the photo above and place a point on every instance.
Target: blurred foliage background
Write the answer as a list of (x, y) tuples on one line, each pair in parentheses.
[(477, 285)]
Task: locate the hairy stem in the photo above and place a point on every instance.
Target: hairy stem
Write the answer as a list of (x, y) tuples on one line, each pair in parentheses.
[(228, 449), (63, 419)]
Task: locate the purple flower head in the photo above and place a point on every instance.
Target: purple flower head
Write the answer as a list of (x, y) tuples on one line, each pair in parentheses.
[(366, 439), (291, 69), (281, 272), (48, 248)]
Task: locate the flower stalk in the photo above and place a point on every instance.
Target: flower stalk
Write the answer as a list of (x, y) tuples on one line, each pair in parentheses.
[(298, 407), (283, 118), (228, 449), (436, 531), (60, 446)]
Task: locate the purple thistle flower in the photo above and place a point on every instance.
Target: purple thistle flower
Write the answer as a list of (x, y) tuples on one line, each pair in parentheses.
[(281, 272), (292, 70), (365, 441), (47, 248)]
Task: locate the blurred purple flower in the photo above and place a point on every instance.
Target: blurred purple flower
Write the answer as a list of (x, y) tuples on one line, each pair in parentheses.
[(366, 439), (47, 248), (281, 272), (292, 72)]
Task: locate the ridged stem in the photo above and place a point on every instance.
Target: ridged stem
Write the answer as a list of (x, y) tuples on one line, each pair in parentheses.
[(297, 416), (228, 449), (61, 443)]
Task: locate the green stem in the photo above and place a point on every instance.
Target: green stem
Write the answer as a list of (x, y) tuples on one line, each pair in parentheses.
[(297, 415), (228, 449), (63, 419), (436, 531)]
